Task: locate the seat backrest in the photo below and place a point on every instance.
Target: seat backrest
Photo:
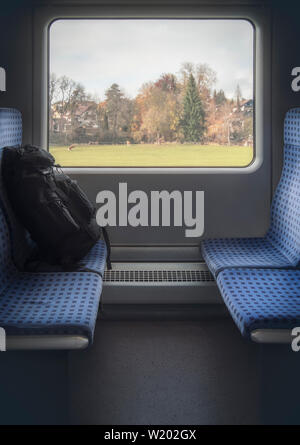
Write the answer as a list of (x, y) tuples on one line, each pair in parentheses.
[(284, 231), (11, 135)]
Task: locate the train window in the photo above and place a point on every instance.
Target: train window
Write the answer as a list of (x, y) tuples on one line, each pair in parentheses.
[(151, 93)]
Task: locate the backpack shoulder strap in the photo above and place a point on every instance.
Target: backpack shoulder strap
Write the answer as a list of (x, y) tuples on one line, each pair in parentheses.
[(108, 246)]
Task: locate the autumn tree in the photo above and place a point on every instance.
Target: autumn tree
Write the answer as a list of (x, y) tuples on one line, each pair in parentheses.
[(119, 113), (159, 106), (65, 92), (205, 78), (52, 93), (78, 96), (193, 120), (53, 81), (226, 116), (66, 88), (167, 83), (154, 118), (187, 68)]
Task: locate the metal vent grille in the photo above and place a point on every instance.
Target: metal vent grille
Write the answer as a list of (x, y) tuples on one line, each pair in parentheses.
[(157, 276)]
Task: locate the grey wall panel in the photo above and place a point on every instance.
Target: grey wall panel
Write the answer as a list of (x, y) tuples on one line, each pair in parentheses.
[(234, 204), (16, 58), (285, 56)]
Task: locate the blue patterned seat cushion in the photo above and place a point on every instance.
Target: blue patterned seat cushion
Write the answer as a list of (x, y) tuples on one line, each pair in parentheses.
[(51, 304), (261, 298), (10, 127), (285, 212), (11, 135), (281, 246), (241, 252)]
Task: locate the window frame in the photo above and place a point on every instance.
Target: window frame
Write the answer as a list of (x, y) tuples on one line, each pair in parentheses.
[(44, 18)]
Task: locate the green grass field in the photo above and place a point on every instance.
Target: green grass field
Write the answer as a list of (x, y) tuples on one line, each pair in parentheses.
[(150, 155)]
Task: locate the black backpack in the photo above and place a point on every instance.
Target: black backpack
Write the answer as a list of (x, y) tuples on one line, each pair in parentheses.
[(56, 212)]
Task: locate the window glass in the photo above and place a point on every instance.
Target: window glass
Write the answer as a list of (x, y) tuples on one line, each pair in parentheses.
[(151, 93)]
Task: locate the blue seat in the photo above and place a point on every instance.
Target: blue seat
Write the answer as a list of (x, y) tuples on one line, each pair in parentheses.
[(42, 304), (61, 303), (280, 248), (261, 299), (22, 245)]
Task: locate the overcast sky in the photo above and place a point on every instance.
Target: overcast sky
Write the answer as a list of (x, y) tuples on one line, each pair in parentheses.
[(98, 53)]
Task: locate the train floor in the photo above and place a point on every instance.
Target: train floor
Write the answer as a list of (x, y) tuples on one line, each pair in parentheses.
[(165, 373)]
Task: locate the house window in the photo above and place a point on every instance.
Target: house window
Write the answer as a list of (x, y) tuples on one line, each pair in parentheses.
[(151, 93)]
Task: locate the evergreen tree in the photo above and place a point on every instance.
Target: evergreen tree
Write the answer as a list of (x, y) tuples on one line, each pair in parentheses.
[(114, 98), (193, 121), (219, 97), (238, 95)]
